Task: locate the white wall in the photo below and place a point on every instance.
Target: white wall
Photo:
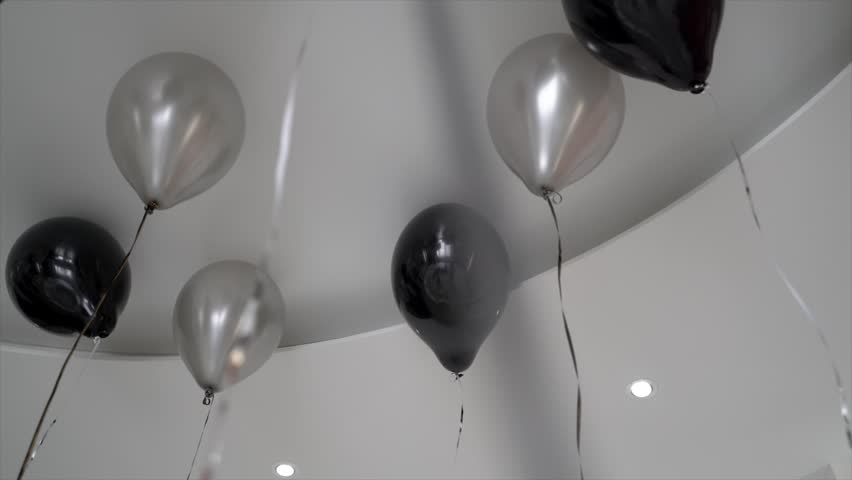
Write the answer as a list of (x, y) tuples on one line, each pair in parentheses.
[(686, 299)]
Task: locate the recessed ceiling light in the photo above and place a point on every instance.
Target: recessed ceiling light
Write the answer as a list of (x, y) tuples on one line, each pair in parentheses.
[(285, 470), (642, 388)]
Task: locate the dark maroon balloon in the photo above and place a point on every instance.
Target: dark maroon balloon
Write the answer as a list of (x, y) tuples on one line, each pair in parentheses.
[(666, 41), (57, 270), (450, 277)]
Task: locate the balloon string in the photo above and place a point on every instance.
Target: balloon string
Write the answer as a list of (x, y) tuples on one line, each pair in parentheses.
[(782, 274), (95, 343), (457, 378), (149, 209), (284, 148), (217, 437), (249, 310), (208, 400), (554, 198)]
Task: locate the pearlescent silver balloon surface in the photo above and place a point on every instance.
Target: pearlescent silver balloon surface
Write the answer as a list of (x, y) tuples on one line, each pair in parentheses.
[(554, 112), (208, 329), (175, 125)]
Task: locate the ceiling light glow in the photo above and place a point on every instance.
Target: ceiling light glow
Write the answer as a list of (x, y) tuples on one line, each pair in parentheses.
[(641, 388), (285, 470)]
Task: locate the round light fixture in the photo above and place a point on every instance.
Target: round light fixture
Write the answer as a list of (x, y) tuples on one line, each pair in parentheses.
[(285, 470), (642, 388)]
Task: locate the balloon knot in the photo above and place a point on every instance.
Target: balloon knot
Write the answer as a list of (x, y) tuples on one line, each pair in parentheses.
[(208, 396), (697, 87), (457, 376), (151, 206), (554, 197)]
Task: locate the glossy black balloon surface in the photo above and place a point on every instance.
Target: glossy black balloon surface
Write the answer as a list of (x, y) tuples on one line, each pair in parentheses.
[(450, 276), (57, 270), (666, 41)]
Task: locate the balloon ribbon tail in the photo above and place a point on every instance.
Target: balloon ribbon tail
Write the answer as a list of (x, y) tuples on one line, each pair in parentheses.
[(27, 458), (284, 149), (95, 343), (208, 400), (807, 313), (552, 198), (458, 377)]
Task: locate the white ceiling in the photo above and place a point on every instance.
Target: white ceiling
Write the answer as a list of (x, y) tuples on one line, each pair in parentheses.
[(390, 121), (686, 299)]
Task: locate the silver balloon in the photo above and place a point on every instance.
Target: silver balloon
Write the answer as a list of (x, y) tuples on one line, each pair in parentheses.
[(554, 112), (175, 124), (220, 337)]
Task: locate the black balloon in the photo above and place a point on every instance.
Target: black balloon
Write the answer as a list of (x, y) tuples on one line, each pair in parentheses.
[(666, 41), (450, 276), (57, 270)]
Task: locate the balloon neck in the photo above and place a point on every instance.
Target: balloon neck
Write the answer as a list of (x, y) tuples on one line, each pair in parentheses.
[(151, 206), (102, 327), (208, 396), (697, 87)]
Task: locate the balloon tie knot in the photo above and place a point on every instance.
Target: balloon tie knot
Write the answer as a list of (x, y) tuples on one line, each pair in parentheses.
[(457, 376), (697, 87), (208, 396), (151, 206), (554, 197)]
